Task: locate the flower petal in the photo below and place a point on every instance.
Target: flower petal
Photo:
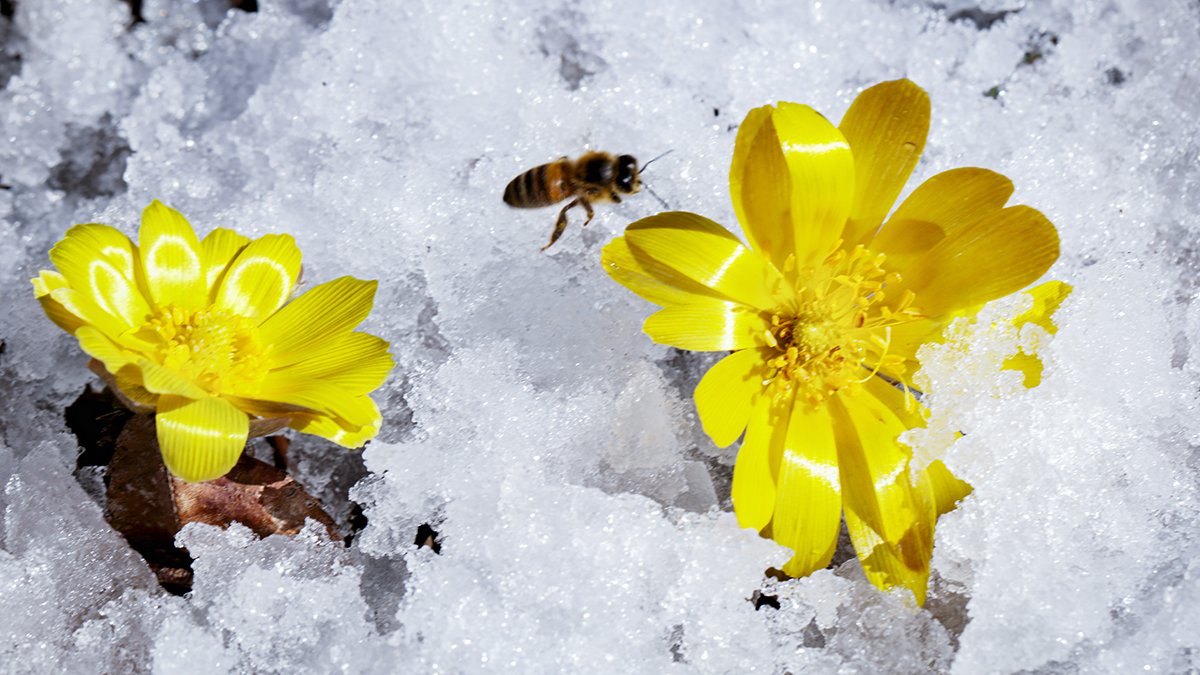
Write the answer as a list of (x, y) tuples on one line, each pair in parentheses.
[(97, 260), (45, 283), (267, 409), (261, 277), (129, 382), (889, 519), (808, 504), (1029, 365), (217, 250), (904, 563), (948, 489), (821, 168), (160, 380), (356, 362), (706, 253), (60, 315), (170, 255), (753, 488), (871, 461), (983, 261), (886, 127), (761, 188), (906, 338), (200, 439), (938, 208), (305, 326), (1047, 298), (96, 345), (82, 306), (322, 397), (708, 326), (338, 430), (728, 393), (648, 278)]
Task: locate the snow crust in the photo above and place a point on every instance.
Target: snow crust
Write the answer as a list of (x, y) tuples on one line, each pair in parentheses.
[(582, 515)]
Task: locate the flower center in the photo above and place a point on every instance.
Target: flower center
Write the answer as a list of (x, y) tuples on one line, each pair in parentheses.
[(836, 334), (213, 348)]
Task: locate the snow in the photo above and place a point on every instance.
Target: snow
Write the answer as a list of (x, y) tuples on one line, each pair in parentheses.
[(582, 515)]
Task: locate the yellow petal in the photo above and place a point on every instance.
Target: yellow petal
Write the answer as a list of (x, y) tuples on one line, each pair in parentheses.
[(761, 187), (1029, 365), (938, 208), (96, 345), (906, 338), (305, 326), (267, 427), (1047, 298), (170, 255), (217, 250), (753, 488), (98, 261), (948, 489), (96, 241), (808, 504), (130, 383), (886, 127), (704, 252), (338, 430), (43, 285), (889, 519), (896, 564), (983, 261), (874, 466), (821, 169), (708, 326), (329, 429), (160, 380), (648, 278), (900, 403), (268, 409), (47, 281), (322, 397), (356, 362), (200, 439), (261, 277), (83, 306), (61, 317), (728, 392)]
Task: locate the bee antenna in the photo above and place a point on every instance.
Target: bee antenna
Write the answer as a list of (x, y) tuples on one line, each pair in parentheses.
[(660, 199), (643, 169)]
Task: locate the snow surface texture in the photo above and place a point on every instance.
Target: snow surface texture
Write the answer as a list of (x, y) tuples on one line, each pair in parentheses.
[(583, 516)]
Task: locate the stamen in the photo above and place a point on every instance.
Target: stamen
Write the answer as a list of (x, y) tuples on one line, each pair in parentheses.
[(879, 363), (837, 326), (216, 349)]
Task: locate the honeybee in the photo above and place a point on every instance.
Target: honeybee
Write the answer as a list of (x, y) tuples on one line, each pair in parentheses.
[(594, 177)]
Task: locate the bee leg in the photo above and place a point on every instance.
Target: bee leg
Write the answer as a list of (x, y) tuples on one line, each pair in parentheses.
[(561, 223), (616, 198), (587, 206)]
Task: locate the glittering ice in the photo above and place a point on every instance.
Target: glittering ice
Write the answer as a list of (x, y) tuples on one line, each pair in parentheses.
[(582, 516)]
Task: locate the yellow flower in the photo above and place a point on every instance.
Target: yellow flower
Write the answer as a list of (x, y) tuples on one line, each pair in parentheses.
[(202, 332), (824, 312)]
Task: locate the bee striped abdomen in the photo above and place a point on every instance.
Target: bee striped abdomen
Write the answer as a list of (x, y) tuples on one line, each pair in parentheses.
[(540, 186)]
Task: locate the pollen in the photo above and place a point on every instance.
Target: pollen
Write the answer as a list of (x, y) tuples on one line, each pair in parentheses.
[(218, 350), (837, 332)]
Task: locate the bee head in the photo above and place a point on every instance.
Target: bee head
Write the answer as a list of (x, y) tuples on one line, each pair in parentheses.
[(628, 180)]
